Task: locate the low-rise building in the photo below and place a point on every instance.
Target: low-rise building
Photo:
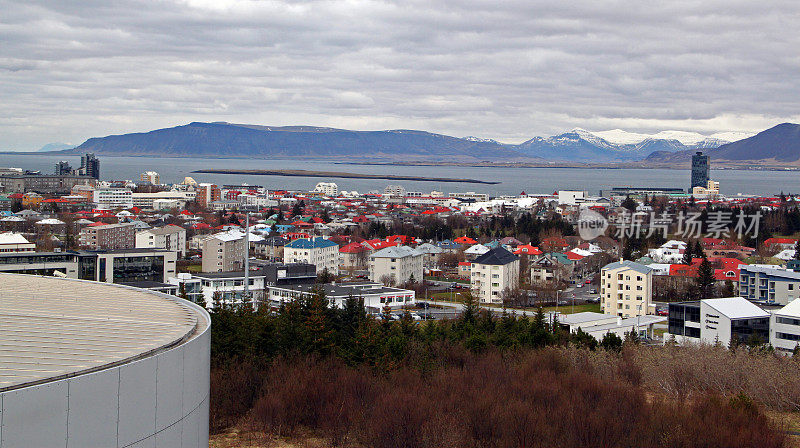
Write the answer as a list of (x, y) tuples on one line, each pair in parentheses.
[(322, 253), (111, 198), (769, 284), (108, 237), (15, 242), (493, 273), (224, 252), (717, 321), (375, 295), (396, 265), (784, 327), (170, 237), (626, 289), (329, 189)]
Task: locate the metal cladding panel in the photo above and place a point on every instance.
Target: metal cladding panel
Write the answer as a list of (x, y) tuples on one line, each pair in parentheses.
[(169, 437), (35, 416), (149, 442), (193, 372), (93, 402), (137, 401), (190, 437), (169, 389), (202, 412)]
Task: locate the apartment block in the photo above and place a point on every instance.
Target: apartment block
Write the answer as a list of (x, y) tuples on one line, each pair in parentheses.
[(169, 237), (396, 264), (322, 253), (769, 284), (492, 273), (224, 252), (108, 237), (626, 289)]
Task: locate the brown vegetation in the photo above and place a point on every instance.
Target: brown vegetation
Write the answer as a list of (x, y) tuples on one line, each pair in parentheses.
[(557, 396)]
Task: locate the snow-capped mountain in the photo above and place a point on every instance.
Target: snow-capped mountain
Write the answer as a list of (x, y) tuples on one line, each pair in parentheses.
[(618, 145)]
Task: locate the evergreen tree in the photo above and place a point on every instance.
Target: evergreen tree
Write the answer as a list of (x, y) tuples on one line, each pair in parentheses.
[(698, 250), (797, 250), (630, 203), (688, 253), (705, 279), (611, 342)]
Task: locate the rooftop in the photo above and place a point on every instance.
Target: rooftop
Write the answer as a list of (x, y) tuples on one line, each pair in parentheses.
[(55, 328)]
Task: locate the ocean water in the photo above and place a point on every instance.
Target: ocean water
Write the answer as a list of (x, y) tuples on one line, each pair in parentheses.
[(512, 180)]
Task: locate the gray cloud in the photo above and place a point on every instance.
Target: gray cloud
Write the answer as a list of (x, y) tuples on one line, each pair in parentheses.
[(507, 70)]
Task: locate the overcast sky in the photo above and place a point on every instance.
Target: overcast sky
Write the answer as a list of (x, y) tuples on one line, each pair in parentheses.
[(504, 69)]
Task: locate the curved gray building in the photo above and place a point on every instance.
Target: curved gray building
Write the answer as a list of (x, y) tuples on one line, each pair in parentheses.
[(86, 364)]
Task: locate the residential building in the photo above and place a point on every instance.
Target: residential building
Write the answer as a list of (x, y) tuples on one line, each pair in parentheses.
[(148, 200), (42, 183), (329, 189), (394, 191), (15, 242), (63, 168), (375, 295), (322, 253), (207, 193), (170, 237), (270, 248), (396, 265), (150, 177), (709, 191), (353, 256), (717, 321), (626, 289), (432, 254), (700, 171), (551, 267), (111, 198), (772, 285), (224, 252), (571, 197), (108, 237), (784, 328), (90, 166), (493, 273)]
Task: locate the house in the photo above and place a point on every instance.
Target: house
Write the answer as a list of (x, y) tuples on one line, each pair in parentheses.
[(464, 269), (551, 267), (353, 255), (626, 289), (784, 327), (769, 284), (493, 273), (717, 321), (527, 249), (322, 253), (475, 251), (431, 254), (170, 237), (396, 265), (779, 244), (270, 248)]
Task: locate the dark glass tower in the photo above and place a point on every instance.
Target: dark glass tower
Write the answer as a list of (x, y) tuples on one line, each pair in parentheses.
[(700, 170), (90, 166)]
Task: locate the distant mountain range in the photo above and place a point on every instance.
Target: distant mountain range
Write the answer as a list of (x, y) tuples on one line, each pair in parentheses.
[(241, 140), (777, 145), (55, 147)]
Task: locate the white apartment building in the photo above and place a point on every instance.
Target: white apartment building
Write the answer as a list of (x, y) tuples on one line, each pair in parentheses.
[(329, 189), (223, 252), (395, 191), (492, 273), (111, 198), (626, 289), (396, 264), (169, 237), (148, 200), (322, 253)]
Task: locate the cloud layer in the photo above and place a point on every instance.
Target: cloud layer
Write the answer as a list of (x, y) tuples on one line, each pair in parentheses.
[(507, 70)]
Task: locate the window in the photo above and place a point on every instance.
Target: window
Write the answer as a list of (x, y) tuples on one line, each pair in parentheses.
[(788, 336)]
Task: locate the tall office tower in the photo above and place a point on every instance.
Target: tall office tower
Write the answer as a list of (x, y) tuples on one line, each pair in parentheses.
[(63, 168), (700, 170), (90, 166)]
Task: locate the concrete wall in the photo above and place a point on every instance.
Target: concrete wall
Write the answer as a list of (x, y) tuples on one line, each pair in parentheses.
[(158, 401)]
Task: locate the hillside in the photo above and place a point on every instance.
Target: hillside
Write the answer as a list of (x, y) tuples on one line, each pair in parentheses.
[(233, 140), (779, 144)]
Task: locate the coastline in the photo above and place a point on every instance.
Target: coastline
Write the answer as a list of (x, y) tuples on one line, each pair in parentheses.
[(342, 175)]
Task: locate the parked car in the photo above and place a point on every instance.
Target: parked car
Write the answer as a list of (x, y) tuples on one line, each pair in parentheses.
[(593, 291), (662, 312), (588, 282), (593, 300)]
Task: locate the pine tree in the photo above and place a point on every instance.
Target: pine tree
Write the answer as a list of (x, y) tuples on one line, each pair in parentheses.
[(705, 279), (688, 253)]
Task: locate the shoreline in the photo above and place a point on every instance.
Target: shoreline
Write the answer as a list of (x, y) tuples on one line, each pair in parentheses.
[(342, 175)]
